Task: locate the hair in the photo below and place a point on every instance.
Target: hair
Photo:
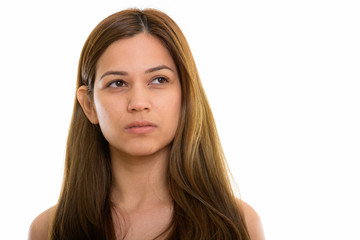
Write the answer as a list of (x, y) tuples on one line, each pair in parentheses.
[(204, 204)]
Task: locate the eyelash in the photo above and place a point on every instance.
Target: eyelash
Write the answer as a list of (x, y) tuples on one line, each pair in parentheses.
[(164, 80), (115, 82), (122, 82)]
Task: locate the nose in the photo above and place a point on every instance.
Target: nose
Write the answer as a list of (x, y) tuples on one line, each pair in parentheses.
[(138, 100)]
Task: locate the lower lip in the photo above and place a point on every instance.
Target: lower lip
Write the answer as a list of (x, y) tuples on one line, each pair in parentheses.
[(140, 130)]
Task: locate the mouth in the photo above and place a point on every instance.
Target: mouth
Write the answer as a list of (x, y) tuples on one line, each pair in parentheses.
[(140, 127), (139, 124)]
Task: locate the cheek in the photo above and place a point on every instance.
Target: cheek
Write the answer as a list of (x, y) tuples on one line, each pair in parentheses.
[(176, 109), (172, 108), (109, 116), (108, 111)]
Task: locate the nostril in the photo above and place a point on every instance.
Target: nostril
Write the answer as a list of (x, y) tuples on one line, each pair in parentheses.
[(139, 107)]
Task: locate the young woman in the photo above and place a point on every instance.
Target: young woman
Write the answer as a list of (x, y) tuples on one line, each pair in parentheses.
[(143, 159)]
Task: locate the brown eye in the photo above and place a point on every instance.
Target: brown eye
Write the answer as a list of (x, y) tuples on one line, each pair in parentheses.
[(117, 83), (159, 80)]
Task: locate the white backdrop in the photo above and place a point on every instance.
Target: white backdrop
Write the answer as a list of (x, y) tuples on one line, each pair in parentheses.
[(282, 77)]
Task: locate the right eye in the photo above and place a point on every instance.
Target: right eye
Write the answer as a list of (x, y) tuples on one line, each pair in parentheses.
[(117, 83)]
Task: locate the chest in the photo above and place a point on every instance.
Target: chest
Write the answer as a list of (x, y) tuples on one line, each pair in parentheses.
[(143, 225)]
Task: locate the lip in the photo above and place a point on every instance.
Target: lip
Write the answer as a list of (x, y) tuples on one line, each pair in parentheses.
[(140, 127)]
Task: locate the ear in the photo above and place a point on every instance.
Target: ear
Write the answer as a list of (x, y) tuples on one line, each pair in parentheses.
[(86, 104)]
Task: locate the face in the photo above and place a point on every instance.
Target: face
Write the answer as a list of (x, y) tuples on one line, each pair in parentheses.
[(137, 96)]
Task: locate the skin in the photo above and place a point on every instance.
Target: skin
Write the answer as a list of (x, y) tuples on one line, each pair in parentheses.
[(136, 80)]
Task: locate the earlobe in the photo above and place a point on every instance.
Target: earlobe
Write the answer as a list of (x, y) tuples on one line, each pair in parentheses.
[(86, 104)]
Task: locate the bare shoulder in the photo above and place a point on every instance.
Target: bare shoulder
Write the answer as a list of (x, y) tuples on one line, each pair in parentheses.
[(39, 228), (253, 222)]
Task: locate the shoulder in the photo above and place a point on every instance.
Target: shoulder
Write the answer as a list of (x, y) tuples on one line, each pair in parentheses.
[(39, 228), (252, 220)]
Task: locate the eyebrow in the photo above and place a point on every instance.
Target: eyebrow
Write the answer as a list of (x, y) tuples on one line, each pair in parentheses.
[(158, 68), (123, 73)]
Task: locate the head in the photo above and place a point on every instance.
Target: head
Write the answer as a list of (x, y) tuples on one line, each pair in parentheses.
[(130, 24)]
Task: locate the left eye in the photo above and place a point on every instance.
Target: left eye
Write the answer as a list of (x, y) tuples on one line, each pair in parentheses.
[(159, 80)]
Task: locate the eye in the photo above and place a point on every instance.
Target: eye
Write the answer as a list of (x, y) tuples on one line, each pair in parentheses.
[(159, 80), (117, 83)]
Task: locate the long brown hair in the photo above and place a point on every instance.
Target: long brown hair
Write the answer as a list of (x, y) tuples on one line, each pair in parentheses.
[(204, 203)]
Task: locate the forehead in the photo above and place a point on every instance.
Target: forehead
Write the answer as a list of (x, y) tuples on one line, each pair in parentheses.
[(136, 53)]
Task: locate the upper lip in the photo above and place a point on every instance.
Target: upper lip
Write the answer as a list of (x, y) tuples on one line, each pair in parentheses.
[(140, 124)]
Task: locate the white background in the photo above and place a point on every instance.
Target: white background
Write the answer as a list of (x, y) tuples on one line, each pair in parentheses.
[(282, 77)]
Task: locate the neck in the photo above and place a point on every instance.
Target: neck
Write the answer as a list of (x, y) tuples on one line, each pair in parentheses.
[(139, 181)]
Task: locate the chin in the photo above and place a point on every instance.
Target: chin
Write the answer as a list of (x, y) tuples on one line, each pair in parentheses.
[(148, 152), (141, 151)]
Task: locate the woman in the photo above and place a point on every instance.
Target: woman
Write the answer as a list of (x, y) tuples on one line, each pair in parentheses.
[(143, 156)]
